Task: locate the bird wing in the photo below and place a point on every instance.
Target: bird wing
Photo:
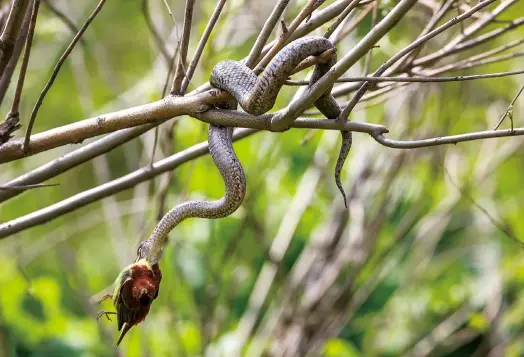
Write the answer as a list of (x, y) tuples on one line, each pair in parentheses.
[(126, 306)]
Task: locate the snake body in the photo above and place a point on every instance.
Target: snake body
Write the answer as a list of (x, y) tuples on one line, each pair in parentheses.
[(256, 95)]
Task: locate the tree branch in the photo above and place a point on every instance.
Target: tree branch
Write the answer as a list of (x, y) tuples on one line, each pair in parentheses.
[(125, 182), (11, 31), (451, 139), (182, 58), (284, 120), (59, 64), (201, 44), (264, 34)]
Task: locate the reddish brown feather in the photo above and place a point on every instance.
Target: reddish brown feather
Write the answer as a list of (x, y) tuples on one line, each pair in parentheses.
[(135, 295)]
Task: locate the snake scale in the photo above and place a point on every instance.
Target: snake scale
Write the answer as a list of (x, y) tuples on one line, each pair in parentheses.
[(256, 95)]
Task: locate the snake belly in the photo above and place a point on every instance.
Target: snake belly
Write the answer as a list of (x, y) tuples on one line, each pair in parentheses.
[(256, 95)]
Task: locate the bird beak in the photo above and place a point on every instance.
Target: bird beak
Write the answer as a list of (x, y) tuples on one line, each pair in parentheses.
[(125, 328)]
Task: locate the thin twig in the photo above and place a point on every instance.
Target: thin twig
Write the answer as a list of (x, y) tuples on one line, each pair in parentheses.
[(284, 120), (25, 187), (201, 45), (362, 90), (125, 182), (154, 31), (343, 33), (170, 12), (374, 17), (55, 73), (509, 110), (451, 139), (480, 23), (504, 229), (23, 69), (5, 78), (11, 31), (184, 44), (264, 34), (343, 15), (421, 79), (286, 35), (467, 64), (432, 58), (164, 91), (433, 21), (65, 19)]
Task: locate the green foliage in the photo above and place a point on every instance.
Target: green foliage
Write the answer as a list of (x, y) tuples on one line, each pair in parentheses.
[(448, 257)]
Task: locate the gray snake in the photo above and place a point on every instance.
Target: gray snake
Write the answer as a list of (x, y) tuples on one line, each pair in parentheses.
[(256, 95)]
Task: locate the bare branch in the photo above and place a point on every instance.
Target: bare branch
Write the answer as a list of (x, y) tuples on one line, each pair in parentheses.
[(480, 23), (5, 78), (284, 121), (158, 112), (343, 15), (65, 19), (431, 58), (74, 158), (451, 139), (74, 202), (55, 73), (509, 110), (25, 187), (201, 44), (29, 41), (343, 33), (310, 6), (264, 34), (155, 112), (362, 90), (156, 35), (414, 78), (11, 32), (184, 44)]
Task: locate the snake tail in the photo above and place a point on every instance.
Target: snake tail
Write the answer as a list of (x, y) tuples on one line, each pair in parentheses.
[(328, 106)]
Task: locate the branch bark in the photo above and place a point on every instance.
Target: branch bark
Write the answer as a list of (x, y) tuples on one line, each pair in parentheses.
[(11, 32)]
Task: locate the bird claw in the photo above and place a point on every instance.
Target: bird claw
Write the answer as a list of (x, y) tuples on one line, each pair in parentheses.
[(105, 297), (106, 313)]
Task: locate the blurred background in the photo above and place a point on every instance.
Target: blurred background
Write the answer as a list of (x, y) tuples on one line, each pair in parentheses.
[(424, 263)]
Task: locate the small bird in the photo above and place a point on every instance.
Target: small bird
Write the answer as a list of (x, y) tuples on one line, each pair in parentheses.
[(135, 289)]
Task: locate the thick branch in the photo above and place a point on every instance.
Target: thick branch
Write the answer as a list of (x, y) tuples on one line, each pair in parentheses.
[(155, 112)]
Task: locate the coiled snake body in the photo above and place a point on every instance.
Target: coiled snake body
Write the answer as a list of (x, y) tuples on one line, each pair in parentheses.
[(256, 95)]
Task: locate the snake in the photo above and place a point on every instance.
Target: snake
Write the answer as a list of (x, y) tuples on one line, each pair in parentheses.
[(256, 95)]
